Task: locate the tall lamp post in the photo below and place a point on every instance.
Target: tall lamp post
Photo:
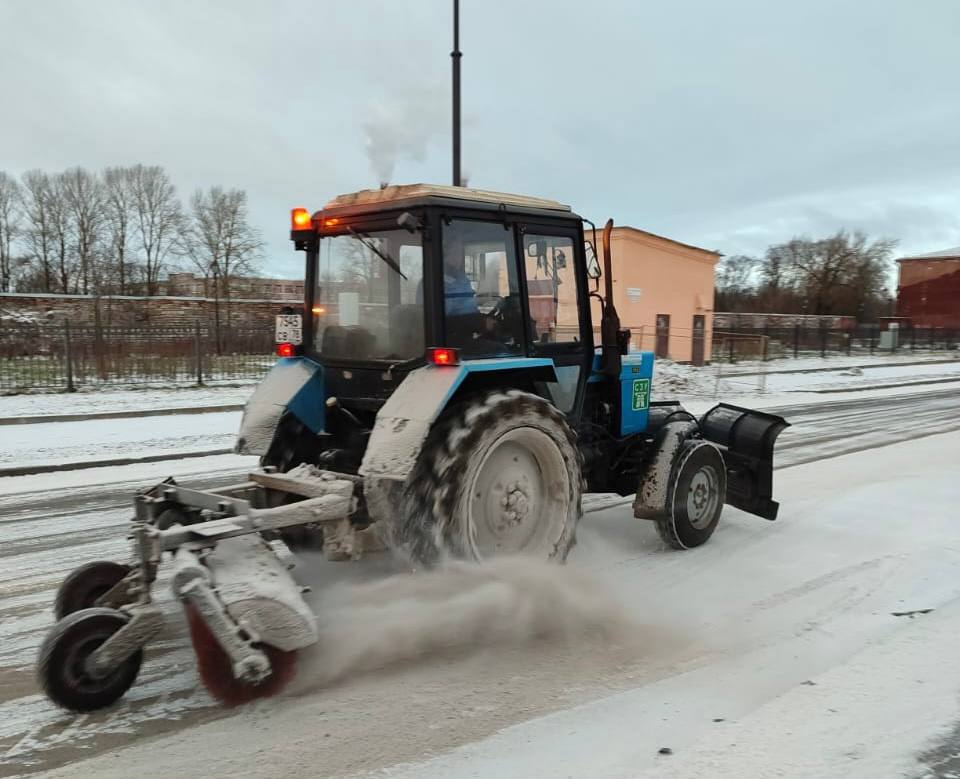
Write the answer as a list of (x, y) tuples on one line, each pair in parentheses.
[(455, 56)]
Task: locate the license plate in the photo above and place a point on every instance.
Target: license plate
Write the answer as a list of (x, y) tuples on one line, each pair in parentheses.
[(289, 329)]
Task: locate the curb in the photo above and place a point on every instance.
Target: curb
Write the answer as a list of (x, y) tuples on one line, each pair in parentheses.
[(895, 364), (27, 470), (152, 412), (880, 386)]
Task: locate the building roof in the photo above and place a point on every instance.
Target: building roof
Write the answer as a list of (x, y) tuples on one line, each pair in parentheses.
[(402, 192), (945, 254), (664, 238)]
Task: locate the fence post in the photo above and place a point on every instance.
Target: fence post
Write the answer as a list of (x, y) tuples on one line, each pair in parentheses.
[(873, 333), (68, 355), (766, 340), (197, 353), (849, 337), (733, 332), (823, 341), (796, 339), (913, 338)]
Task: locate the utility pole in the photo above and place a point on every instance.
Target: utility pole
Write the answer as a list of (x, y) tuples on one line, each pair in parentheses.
[(455, 56)]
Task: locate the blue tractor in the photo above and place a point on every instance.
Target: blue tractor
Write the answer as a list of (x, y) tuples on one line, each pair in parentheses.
[(446, 392)]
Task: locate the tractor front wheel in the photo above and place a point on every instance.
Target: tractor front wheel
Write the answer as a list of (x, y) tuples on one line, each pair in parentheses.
[(698, 488), (500, 473)]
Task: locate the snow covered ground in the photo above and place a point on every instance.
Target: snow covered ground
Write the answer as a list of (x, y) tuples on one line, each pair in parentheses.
[(102, 401), (103, 439), (780, 378), (771, 651), (83, 441)]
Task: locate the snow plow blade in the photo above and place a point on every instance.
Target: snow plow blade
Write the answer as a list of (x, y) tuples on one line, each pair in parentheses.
[(747, 438)]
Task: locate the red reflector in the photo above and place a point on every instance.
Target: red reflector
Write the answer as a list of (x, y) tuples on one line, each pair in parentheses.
[(442, 355), (286, 350)]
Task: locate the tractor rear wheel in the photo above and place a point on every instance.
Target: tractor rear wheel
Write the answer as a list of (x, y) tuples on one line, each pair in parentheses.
[(695, 497), (500, 473)]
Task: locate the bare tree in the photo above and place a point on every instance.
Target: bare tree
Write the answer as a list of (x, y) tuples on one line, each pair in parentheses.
[(736, 283), (120, 215), (220, 242), (842, 274), (59, 215), (158, 219), (10, 197), (47, 230), (84, 198)]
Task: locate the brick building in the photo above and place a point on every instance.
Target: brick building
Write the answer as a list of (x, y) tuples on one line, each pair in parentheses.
[(928, 290)]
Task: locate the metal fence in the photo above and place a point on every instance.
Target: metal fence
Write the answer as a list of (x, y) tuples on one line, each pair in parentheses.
[(733, 344), (64, 357)]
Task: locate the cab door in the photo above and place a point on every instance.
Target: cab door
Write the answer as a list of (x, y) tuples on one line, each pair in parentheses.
[(556, 304)]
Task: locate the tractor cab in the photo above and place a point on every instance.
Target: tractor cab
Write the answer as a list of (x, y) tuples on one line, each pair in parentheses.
[(406, 275)]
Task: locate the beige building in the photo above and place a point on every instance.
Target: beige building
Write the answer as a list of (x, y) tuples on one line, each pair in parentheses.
[(664, 294)]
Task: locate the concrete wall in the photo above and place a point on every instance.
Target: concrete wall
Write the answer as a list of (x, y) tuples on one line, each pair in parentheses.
[(129, 311)]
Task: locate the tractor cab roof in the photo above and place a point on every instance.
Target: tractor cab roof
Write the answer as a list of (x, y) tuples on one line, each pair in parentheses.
[(399, 196)]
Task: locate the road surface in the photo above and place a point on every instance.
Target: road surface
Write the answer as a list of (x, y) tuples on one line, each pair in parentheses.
[(745, 580)]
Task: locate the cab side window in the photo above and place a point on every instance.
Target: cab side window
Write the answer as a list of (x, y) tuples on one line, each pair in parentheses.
[(551, 288), (481, 296)]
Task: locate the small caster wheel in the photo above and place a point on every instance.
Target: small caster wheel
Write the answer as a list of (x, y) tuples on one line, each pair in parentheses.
[(62, 668), (86, 584)]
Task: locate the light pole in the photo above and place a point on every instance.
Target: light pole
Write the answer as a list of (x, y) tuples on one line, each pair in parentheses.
[(455, 56)]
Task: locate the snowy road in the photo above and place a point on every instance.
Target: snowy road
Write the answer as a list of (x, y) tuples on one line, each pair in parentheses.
[(763, 607)]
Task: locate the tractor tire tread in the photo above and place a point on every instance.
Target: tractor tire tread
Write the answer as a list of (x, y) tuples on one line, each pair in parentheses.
[(430, 494)]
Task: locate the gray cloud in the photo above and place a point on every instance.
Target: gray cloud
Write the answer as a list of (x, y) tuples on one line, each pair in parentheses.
[(731, 125)]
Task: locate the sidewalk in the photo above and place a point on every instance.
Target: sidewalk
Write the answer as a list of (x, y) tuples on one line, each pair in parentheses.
[(103, 403)]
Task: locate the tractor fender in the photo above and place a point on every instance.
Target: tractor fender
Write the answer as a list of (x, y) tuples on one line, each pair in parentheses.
[(654, 487), (294, 383), (403, 422)]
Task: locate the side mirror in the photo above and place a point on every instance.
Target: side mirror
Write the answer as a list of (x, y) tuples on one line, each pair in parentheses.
[(537, 248), (593, 264), (408, 222)]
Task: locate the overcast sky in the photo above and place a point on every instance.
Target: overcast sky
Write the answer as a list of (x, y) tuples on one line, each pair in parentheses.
[(730, 125)]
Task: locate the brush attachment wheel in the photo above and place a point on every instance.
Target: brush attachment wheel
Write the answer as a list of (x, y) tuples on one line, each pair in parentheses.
[(62, 667), (84, 585), (216, 670)]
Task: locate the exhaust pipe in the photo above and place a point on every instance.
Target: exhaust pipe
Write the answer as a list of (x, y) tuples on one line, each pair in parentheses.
[(612, 341)]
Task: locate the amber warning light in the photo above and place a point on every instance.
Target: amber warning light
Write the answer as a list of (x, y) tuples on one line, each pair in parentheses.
[(442, 355), (299, 219)]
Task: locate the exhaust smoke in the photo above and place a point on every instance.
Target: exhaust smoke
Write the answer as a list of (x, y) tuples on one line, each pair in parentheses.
[(456, 610), (402, 127)]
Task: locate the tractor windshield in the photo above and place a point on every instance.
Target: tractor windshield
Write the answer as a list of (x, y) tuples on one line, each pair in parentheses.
[(369, 297)]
